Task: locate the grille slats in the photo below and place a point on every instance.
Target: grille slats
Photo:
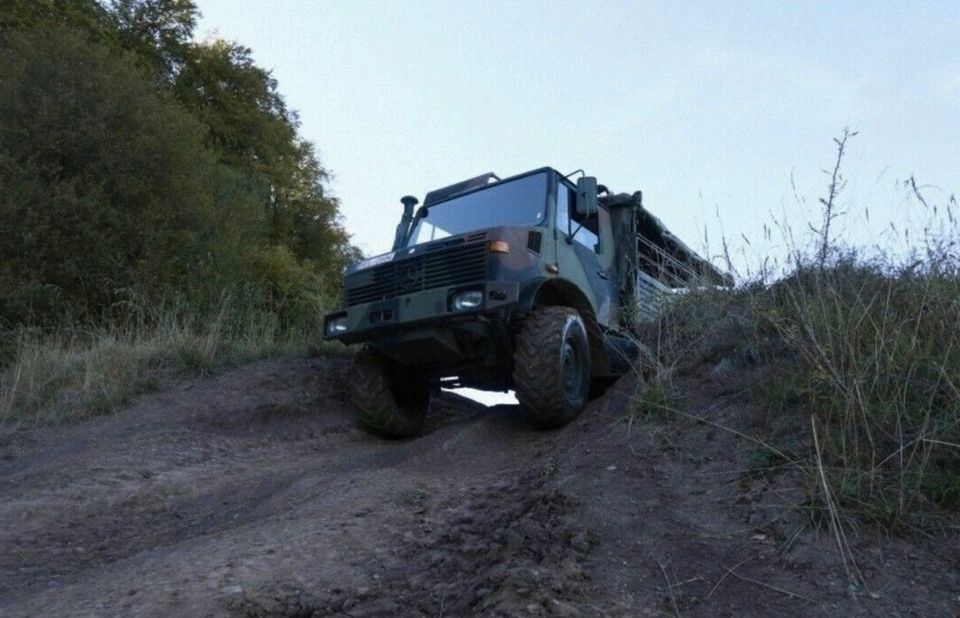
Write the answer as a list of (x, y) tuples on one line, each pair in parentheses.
[(461, 260), (440, 272), (433, 269)]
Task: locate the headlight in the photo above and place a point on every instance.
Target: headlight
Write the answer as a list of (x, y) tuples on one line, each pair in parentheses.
[(335, 326), (467, 300)]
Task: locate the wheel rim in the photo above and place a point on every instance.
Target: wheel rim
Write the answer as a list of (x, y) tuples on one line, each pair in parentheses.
[(571, 368)]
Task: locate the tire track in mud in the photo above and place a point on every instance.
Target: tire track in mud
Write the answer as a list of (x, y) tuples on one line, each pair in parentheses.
[(491, 535), (183, 485), (490, 549), (255, 494)]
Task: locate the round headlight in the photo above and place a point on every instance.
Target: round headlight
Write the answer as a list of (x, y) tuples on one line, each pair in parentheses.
[(337, 325), (467, 300)]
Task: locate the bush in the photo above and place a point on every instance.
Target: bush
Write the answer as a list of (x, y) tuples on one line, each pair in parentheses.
[(289, 288)]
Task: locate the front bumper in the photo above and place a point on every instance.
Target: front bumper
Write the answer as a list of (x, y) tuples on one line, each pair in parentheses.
[(428, 308)]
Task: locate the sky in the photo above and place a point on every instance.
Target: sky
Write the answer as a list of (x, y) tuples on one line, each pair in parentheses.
[(723, 113)]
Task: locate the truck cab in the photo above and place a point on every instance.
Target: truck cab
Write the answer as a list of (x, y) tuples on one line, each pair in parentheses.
[(531, 283)]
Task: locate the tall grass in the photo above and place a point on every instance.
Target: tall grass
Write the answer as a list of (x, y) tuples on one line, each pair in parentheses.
[(876, 359), (865, 351), (870, 356), (53, 376)]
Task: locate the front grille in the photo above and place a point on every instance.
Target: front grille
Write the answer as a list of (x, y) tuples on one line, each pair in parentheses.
[(439, 268)]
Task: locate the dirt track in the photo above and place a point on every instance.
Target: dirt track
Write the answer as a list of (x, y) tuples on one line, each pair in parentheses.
[(252, 493)]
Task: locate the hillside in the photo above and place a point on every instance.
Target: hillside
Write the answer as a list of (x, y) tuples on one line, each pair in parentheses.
[(252, 493)]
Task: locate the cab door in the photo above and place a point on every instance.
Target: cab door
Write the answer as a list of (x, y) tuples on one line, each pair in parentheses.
[(581, 260)]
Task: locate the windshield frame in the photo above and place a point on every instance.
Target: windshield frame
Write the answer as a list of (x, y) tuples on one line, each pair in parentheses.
[(544, 222)]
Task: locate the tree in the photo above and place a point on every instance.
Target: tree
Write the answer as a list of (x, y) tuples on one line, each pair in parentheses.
[(107, 184), (134, 160), (248, 120), (86, 16), (158, 31), (252, 129)]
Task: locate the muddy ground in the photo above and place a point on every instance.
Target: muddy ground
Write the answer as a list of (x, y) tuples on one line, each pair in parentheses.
[(252, 493)]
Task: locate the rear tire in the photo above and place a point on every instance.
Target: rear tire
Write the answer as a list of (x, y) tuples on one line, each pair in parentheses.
[(388, 406), (552, 366)]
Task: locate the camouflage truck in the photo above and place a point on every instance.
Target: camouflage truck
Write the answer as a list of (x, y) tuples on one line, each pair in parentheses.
[(532, 283)]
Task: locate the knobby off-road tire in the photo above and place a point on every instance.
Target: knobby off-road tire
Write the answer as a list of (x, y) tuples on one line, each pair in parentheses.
[(551, 372), (389, 406)]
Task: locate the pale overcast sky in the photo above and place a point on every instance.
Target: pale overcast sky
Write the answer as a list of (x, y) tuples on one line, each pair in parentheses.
[(704, 106)]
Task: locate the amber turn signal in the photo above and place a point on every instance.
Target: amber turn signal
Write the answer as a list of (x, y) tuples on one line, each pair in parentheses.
[(499, 246)]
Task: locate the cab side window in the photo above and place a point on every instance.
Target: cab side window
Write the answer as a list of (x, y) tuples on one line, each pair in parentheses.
[(568, 220)]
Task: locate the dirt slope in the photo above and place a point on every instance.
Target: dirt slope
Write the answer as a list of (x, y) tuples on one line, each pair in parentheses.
[(252, 493)]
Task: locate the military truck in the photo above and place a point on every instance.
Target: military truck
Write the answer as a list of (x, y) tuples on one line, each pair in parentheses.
[(532, 283)]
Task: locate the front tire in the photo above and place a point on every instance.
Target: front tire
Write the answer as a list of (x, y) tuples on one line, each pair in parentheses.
[(552, 366), (388, 406)]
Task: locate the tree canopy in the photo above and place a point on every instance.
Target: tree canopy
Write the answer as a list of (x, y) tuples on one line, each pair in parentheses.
[(136, 161)]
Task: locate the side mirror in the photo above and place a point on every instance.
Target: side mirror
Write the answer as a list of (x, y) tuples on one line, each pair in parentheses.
[(586, 195)]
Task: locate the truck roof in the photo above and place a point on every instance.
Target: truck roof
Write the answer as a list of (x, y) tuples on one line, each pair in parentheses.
[(661, 254), (475, 183)]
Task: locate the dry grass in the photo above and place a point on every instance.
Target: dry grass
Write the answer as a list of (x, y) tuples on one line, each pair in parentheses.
[(866, 350), (879, 365), (54, 377), (872, 355)]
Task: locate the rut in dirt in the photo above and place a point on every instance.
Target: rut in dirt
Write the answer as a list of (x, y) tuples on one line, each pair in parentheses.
[(254, 493), (213, 494)]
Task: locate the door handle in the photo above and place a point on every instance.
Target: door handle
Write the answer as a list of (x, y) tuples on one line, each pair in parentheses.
[(602, 274)]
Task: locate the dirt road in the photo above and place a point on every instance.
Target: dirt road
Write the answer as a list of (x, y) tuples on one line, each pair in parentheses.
[(253, 493)]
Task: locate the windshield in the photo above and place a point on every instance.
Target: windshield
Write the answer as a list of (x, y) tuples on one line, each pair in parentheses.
[(520, 202)]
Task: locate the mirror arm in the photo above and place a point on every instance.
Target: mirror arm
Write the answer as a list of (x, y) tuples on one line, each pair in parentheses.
[(570, 234)]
